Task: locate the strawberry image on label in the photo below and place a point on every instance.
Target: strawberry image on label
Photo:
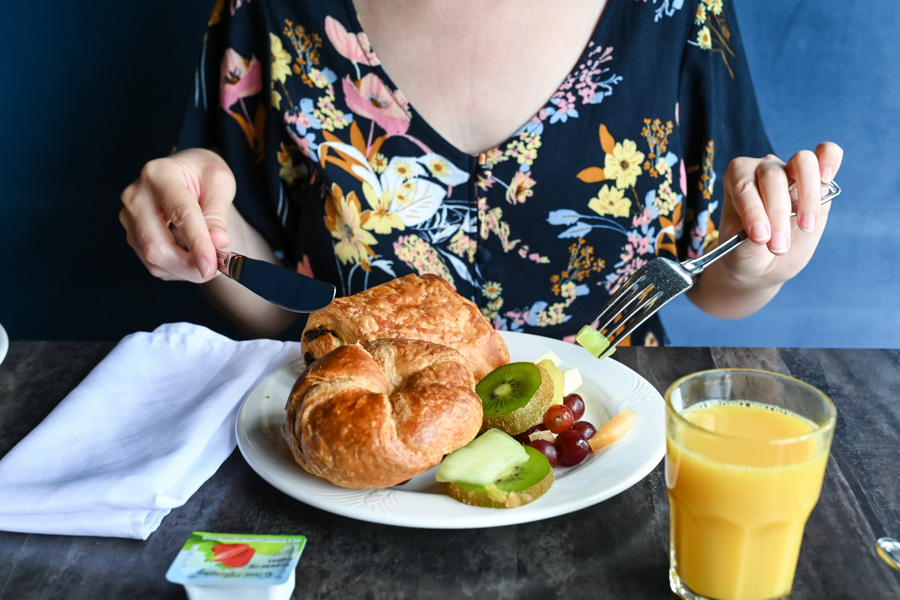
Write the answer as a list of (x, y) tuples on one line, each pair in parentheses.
[(232, 555)]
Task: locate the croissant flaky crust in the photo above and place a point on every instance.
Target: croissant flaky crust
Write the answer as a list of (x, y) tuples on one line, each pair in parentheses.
[(415, 307), (374, 415)]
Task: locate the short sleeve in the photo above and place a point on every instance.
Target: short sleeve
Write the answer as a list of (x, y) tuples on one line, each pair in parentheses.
[(719, 118), (229, 112)]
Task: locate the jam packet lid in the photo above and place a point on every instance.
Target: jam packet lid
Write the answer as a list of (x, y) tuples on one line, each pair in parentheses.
[(236, 559)]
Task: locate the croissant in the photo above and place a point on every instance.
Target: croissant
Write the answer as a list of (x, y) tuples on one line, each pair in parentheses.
[(416, 307), (374, 415)]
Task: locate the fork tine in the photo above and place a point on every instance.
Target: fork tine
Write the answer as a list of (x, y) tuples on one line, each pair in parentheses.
[(618, 303), (632, 319)]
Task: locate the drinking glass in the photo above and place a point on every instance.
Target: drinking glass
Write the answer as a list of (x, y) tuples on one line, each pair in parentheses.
[(745, 459)]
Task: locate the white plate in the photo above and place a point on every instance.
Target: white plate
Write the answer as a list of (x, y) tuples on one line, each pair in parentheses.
[(4, 344), (608, 388)]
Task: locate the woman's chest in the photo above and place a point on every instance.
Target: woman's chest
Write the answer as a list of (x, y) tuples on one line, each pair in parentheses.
[(477, 71)]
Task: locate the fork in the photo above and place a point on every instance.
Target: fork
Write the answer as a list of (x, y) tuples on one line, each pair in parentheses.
[(662, 280)]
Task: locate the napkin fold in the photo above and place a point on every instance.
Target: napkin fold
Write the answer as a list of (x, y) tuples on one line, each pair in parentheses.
[(138, 436)]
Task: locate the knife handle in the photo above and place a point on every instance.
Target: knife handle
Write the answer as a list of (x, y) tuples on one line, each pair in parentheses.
[(229, 263)]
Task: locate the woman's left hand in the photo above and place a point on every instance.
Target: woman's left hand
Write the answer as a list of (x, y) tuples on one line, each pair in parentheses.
[(757, 200)]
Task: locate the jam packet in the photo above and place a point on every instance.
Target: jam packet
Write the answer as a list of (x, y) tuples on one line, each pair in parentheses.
[(237, 566)]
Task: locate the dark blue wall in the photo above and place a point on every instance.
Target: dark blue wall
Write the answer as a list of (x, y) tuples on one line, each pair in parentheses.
[(827, 69), (92, 90)]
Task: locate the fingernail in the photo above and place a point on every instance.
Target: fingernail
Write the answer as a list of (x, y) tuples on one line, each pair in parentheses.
[(806, 222), (203, 267), (827, 175), (759, 232), (778, 243)]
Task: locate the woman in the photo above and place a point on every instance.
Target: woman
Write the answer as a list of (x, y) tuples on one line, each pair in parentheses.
[(532, 156)]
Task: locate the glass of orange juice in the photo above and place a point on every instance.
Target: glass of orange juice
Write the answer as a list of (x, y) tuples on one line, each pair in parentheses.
[(745, 458)]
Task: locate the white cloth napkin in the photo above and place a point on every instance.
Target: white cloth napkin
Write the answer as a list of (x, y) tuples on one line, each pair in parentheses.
[(143, 431)]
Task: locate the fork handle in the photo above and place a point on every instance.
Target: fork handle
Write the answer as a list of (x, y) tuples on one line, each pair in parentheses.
[(695, 266)]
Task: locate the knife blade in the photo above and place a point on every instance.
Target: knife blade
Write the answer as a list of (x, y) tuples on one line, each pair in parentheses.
[(293, 291)]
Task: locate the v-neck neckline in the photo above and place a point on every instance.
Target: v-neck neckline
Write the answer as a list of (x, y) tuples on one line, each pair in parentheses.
[(419, 121)]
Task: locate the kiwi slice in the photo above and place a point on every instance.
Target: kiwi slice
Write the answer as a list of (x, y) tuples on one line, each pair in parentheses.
[(508, 388), (525, 415), (525, 483)]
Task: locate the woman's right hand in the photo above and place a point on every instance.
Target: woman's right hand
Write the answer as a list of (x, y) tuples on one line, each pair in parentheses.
[(175, 214)]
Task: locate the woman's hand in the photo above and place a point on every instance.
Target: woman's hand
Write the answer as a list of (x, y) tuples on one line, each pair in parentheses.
[(757, 200), (175, 214)]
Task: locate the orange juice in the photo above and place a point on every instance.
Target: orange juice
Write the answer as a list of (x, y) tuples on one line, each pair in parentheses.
[(742, 479)]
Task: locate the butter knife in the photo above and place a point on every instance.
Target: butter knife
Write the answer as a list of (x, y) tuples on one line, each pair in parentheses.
[(281, 286)]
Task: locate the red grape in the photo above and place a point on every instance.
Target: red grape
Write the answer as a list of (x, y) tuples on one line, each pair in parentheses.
[(585, 428), (558, 418), (547, 449), (576, 403), (572, 447)]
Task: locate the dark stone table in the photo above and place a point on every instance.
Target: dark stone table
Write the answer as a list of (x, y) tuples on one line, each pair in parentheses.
[(615, 549)]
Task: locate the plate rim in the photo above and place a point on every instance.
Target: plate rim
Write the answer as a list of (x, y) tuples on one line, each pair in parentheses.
[(4, 343), (393, 506)]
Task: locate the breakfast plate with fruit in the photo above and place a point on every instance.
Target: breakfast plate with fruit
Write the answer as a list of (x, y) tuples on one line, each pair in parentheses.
[(606, 387)]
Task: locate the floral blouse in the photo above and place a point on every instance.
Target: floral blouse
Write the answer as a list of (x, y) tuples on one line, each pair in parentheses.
[(349, 184)]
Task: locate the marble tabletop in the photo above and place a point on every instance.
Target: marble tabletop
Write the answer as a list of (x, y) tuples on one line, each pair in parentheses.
[(615, 549)]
